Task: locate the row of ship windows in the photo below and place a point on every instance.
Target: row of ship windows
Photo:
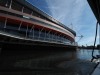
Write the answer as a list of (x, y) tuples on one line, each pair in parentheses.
[(32, 19), (33, 33), (19, 7)]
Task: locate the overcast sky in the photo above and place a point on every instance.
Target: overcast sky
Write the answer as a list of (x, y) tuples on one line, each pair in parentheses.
[(75, 14)]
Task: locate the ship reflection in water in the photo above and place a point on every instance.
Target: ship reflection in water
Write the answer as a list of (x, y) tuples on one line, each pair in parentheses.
[(86, 54)]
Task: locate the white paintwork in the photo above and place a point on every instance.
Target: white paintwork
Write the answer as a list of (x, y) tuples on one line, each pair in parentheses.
[(60, 29)]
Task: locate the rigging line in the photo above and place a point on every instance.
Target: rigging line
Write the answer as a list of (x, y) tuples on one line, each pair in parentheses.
[(80, 38), (78, 32), (94, 42), (99, 20), (96, 31), (80, 35), (99, 37)]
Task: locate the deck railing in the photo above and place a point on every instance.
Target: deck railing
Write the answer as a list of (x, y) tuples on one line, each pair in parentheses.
[(34, 35)]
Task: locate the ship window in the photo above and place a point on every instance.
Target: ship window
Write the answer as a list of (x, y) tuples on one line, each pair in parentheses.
[(2, 23), (50, 36), (5, 3), (12, 26), (42, 34), (16, 6), (23, 27), (26, 17), (26, 10), (22, 33), (36, 33), (47, 35)]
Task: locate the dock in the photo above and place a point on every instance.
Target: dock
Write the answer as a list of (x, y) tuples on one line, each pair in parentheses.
[(97, 70)]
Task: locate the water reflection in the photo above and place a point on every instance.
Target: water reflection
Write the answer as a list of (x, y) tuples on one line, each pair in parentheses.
[(86, 54), (49, 62)]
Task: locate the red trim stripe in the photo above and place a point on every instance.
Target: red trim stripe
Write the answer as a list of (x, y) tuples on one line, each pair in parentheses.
[(14, 21)]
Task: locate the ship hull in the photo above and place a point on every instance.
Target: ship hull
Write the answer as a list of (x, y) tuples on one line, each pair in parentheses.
[(29, 38), (36, 55)]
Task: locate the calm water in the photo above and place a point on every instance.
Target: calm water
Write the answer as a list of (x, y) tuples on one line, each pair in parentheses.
[(86, 54), (56, 61)]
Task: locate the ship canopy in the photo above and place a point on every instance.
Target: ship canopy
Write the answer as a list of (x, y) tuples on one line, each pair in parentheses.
[(95, 6)]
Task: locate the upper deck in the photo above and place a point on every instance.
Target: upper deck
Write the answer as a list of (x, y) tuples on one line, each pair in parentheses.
[(23, 19), (45, 16), (30, 9)]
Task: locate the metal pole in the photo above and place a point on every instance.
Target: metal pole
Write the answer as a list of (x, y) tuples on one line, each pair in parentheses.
[(40, 32), (10, 4), (26, 31), (99, 37), (52, 36), (45, 35), (31, 28), (20, 25), (42, 29), (32, 13), (55, 36), (22, 9), (33, 32), (49, 34), (59, 36), (63, 40), (5, 23), (6, 4)]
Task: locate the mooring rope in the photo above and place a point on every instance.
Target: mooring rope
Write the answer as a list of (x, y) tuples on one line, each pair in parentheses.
[(93, 57)]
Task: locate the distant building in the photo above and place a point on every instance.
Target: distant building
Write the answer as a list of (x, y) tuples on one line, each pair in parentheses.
[(98, 46)]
